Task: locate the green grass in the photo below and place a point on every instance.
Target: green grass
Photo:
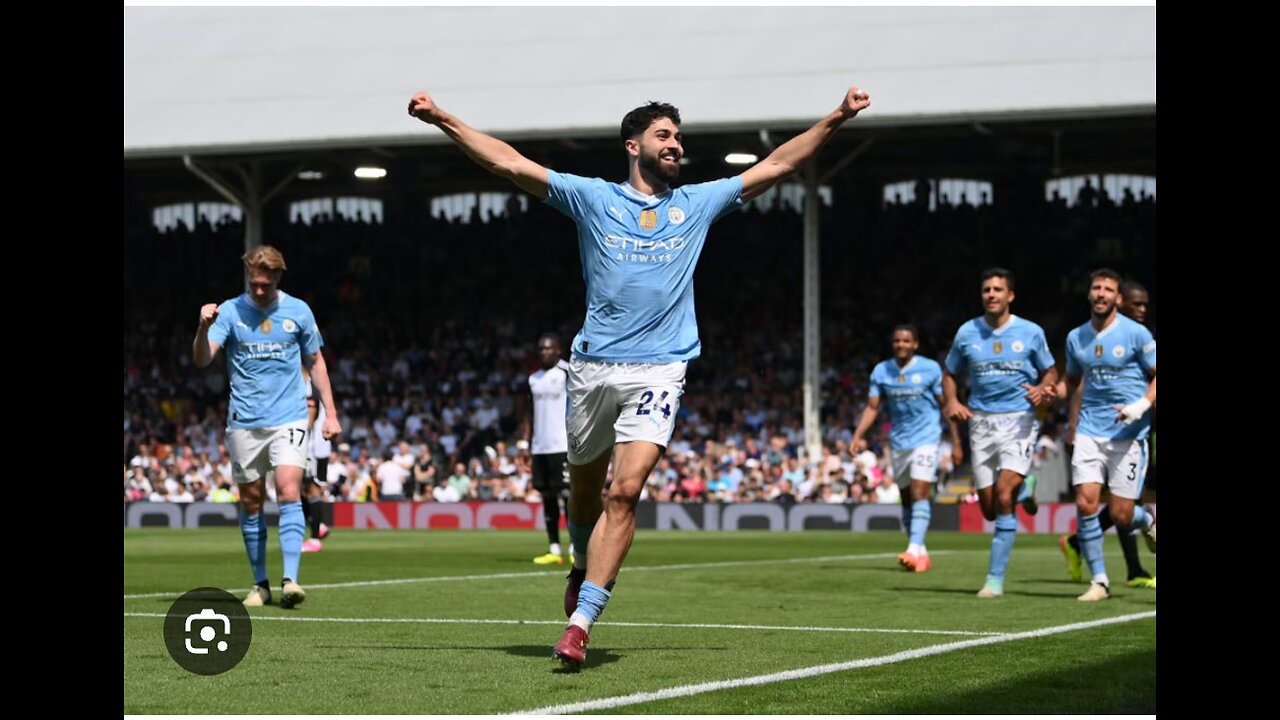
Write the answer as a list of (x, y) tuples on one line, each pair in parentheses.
[(442, 668)]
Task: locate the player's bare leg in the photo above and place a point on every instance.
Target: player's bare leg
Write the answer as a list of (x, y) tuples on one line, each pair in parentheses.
[(617, 528)]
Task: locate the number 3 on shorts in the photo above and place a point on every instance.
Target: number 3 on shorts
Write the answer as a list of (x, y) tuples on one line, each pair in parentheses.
[(647, 396)]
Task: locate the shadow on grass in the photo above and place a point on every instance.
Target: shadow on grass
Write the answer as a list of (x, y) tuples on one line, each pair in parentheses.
[(596, 656), (1121, 684)]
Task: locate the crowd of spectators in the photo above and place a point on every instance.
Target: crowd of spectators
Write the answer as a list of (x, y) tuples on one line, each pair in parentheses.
[(430, 329)]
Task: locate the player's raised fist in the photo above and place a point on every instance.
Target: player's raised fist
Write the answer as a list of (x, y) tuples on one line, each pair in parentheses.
[(424, 108), (854, 100), (208, 313)]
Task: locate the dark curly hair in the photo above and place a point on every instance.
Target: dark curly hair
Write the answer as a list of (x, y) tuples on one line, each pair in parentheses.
[(639, 120)]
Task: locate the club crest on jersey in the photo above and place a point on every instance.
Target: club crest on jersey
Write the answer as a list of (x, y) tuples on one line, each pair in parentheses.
[(997, 347), (1118, 351), (1097, 351), (1017, 346), (675, 216), (265, 327), (289, 325), (648, 219), (915, 379)]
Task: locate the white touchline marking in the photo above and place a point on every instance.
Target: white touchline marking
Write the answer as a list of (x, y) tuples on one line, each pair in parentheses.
[(560, 573), (687, 690), (560, 623)]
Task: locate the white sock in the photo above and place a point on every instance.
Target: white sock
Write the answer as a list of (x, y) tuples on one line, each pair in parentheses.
[(555, 548)]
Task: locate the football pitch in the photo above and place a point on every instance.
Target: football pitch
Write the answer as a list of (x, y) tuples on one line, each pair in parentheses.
[(819, 622)]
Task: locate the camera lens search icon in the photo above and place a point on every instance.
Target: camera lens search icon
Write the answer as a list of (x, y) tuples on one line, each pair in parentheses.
[(207, 631)]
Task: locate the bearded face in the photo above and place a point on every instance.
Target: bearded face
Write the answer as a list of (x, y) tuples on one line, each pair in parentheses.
[(660, 150), (1104, 294), (663, 164)]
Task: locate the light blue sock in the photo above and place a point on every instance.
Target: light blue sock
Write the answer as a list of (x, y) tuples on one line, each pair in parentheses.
[(591, 601), (1091, 543), (921, 511), (1141, 518), (1002, 545), (254, 530), (579, 535), (292, 529)]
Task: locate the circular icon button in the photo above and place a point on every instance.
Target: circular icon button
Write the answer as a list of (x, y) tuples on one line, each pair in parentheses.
[(207, 631)]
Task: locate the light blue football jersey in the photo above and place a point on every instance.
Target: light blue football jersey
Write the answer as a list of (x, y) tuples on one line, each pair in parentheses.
[(1114, 363), (999, 362), (264, 352), (911, 395), (638, 254)]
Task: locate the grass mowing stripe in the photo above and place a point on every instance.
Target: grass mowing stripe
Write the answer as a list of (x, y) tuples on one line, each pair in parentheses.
[(687, 690), (704, 626)]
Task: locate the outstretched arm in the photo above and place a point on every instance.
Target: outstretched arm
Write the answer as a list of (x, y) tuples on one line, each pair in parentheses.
[(487, 151), (788, 157)]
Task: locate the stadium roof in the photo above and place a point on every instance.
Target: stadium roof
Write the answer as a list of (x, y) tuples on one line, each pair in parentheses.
[(236, 80)]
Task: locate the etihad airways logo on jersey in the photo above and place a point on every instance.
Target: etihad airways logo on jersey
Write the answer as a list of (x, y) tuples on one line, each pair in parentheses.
[(637, 246), (1105, 374), (613, 242), (998, 367), (264, 350)]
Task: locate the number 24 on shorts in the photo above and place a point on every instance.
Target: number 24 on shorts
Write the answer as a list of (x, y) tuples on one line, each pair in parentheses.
[(646, 397)]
